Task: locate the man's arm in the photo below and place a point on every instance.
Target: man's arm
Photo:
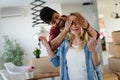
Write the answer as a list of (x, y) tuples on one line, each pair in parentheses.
[(85, 25), (92, 32), (57, 41)]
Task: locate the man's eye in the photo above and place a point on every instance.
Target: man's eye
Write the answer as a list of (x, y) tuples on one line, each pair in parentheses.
[(53, 22), (56, 17)]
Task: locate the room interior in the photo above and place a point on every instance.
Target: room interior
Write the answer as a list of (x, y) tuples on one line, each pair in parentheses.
[(17, 23)]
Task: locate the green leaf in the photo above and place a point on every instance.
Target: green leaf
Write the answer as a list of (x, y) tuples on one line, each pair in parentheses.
[(13, 51)]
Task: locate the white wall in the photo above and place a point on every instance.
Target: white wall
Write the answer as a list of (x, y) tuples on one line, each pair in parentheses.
[(20, 28), (111, 24)]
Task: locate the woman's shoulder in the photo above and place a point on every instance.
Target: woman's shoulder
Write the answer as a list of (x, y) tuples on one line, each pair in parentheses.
[(65, 43), (86, 47), (66, 40)]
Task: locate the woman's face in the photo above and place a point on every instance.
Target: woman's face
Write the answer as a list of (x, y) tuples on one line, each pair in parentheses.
[(75, 27)]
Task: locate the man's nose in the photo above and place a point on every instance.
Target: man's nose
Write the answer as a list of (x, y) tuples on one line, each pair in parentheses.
[(58, 20)]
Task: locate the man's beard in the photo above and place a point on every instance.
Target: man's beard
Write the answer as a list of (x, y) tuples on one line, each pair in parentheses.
[(61, 24)]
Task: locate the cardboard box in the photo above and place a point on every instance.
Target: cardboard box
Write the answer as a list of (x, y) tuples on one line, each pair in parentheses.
[(43, 65), (118, 74), (114, 50), (106, 69), (114, 64), (110, 76), (116, 37)]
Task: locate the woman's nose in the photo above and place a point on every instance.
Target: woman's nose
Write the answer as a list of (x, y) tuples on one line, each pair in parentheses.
[(73, 23), (73, 26)]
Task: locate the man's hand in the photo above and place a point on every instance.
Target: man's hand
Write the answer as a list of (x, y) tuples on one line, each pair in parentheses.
[(83, 22), (68, 24)]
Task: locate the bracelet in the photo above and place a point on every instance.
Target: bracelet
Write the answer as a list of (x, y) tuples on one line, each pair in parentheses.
[(98, 35), (87, 27)]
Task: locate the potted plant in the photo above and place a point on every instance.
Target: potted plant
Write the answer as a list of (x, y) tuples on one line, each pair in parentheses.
[(29, 71), (37, 52), (13, 52)]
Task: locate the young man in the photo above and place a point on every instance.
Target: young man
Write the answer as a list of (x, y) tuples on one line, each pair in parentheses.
[(52, 17)]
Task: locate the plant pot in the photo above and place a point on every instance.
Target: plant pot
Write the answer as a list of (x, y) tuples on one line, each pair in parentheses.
[(37, 56), (37, 52)]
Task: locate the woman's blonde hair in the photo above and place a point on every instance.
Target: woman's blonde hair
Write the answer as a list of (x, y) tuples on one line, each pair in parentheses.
[(83, 35)]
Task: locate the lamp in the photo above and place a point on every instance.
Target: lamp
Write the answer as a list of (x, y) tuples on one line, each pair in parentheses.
[(115, 15), (41, 32), (87, 3), (37, 5)]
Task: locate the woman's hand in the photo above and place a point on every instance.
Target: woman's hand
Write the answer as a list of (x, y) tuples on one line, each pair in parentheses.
[(47, 46), (92, 45), (43, 40)]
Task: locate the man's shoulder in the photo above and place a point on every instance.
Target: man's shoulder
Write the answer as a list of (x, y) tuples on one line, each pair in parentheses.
[(54, 30)]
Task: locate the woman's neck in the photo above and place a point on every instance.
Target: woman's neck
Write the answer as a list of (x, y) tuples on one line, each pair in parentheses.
[(76, 41)]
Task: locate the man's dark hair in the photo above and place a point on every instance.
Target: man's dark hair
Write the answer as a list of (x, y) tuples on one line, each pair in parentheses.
[(46, 14), (64, 16)]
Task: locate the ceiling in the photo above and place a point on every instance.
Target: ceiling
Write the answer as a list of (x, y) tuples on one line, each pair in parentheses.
[(4, 3), (74, 1)]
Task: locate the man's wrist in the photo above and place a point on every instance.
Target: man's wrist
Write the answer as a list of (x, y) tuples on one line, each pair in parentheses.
[(66, 30), (88, 25)]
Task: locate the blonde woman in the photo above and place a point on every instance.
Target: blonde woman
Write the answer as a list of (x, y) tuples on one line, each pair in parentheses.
[(77, 56)]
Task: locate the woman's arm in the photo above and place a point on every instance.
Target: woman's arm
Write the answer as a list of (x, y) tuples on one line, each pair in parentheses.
[(55, 59), (92, 45)]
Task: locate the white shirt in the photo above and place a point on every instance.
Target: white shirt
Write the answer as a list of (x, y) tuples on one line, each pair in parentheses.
[(76, 63)]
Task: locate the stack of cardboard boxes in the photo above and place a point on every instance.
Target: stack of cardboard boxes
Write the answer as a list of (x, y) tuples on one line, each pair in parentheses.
[(114, 50)]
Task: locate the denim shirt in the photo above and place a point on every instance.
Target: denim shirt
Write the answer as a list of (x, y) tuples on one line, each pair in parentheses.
[(93, 72)]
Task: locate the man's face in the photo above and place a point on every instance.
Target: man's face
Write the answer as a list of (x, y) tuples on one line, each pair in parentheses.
[(62, 21), (55, 19), (58, 21)]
